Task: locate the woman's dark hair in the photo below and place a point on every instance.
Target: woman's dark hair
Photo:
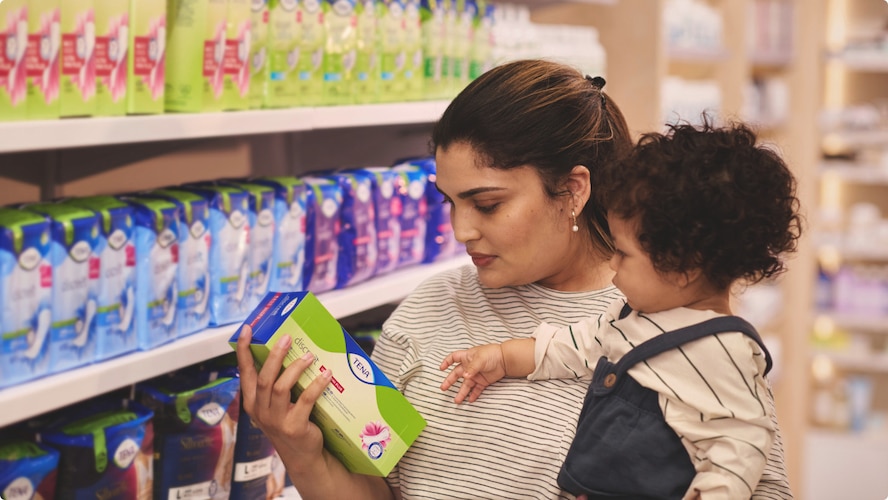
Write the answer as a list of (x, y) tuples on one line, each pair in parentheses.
[(544, 115), (707, 198)]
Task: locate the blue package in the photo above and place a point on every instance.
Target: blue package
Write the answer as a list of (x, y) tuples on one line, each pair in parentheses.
[(193, 275), (323, 202), (357, 232), (25, 296), (157, 265), (289, 239), (229, 251), (75, 265), (115, 312), (27, 470), (387, 204), (440, 241), (412, 181)]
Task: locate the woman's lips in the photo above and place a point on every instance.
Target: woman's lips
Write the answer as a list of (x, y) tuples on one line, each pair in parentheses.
[(481, 260)]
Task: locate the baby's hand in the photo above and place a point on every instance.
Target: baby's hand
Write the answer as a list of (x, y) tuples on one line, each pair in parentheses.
[(478, 367)]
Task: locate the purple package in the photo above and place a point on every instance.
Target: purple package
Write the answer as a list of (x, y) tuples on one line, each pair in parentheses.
[(357, 234), (323, 202), (411, 184), (388, 217), (440, 242)]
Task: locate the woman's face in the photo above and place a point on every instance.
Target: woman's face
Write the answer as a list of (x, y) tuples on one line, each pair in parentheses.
[(513, 231)]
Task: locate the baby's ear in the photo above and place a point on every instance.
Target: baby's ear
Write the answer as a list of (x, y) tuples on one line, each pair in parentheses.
[(687, 278)]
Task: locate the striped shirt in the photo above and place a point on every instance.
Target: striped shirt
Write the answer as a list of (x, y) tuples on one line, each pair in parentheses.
[(509, 444), (712, 391)]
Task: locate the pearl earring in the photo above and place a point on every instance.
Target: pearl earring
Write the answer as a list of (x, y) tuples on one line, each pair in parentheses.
[(573, 218)]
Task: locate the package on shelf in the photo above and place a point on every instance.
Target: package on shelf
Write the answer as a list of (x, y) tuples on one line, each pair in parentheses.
[(289, 237), (74, 236), (146, 76), (392, 51), (156, 237), (27, 469), (111, 56), (13, 75), (77, 90), (195, 69), (310, 61), (461, 43), (433, 13), (323, 205), (260, 217), (116, 299), (193, 274), (367, 423), (284, 54), (340, 48), (414, 72), (257, 63), (196, 412), (42, 59), (365, 84), (358, 247), (106, 448), (411, 184), (236, 78), (440, 242), (25, 296), (229, 250), (387, 204), (481, 58)]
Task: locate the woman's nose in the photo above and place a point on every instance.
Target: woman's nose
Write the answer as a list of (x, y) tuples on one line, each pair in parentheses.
[(464, 229)]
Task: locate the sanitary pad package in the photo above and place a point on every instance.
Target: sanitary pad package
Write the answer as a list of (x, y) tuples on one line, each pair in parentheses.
[(195, 427), (193, 276), (106, 450), (357, 233), (289, 238), (42, 58), (27, 470), (412, 181), (367, 423), (111, 53), (196, 60), (440, 241), (387, 203), (78, 61), (25, 296), (115, 311), (324, 199), (13, 75), (157, 264), (75, 278)]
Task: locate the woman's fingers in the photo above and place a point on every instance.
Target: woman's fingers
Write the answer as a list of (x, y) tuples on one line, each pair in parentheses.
[(283, 387), (310, 395), (246, 368), (270, 371)]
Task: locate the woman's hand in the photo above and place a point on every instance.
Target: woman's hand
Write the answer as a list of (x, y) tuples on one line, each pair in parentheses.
[(267, 400), (478, 367)]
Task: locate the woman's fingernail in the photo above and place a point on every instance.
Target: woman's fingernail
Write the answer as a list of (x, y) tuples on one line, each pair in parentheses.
[(284, 342), (328, 374), (308, 356)]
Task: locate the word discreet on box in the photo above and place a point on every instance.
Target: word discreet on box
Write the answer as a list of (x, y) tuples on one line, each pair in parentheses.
[(367, 423)]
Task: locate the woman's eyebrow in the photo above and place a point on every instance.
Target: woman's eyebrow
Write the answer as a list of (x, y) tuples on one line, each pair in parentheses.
[(478, 190)]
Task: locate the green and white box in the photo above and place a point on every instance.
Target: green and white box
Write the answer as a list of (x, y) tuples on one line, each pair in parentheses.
[(111, 54), (236, 83), (367, 423), (42, 59), (147, 57), (196, 65), (13, 75), (78, 61)]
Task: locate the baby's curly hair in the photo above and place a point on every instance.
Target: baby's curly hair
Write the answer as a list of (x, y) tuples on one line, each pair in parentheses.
[(708, 198)]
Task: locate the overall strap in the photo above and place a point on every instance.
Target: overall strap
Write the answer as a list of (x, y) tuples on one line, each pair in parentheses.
[(670, 340)]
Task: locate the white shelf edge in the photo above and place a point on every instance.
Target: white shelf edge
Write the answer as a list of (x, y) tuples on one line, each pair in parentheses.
[(697, 55), (862, 60), (855, 172), (857, 138), (23, 136), (18, 403), (850, 321), (850, 253), (857, 362)]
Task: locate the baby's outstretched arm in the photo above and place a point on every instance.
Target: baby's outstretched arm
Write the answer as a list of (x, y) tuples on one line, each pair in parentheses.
[(483, 365)]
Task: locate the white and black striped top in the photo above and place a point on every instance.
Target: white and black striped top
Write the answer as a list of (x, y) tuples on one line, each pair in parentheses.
[(511, 442)]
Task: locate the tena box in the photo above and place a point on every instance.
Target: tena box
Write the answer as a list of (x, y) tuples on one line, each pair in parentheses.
[(236, 79), (367, 423), (42, 59), (78, 62), (258, 62), (196, 66), (365, 84), (75, 265), (284, 45), (391, 50), (147, 57), (25, 295), (111, 54), (340, 21), (13, 46), (311, 60)]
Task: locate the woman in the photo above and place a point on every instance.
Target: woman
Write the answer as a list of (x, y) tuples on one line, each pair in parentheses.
[(516, 152)]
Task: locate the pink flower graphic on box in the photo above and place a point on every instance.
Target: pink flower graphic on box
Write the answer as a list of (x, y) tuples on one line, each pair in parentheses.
[(78, 54), (13, 74), (375, 433), (242, 77), (214, 60), (42, 59), (149, 55), (111, 56)]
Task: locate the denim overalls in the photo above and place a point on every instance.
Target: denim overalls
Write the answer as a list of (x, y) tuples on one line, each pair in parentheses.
[(623, 447)]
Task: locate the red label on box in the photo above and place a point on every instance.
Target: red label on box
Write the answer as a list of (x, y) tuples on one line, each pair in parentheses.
[(71, 62)]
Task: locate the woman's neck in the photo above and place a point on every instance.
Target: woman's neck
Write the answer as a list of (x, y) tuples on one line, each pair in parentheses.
[(584, 275)]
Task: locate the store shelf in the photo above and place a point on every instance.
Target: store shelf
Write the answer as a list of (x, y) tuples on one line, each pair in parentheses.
[(34, 398), (874, 61), (857, 322), (697, 55), (856, 138), (773, 59), (100, 131), (855, 361), (872, 253), (856, 172)]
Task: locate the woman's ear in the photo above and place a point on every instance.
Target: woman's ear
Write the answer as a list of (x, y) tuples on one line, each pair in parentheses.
[(579, 185)]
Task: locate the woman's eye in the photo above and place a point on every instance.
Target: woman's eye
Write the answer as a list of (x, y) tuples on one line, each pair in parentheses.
[(487, 209)]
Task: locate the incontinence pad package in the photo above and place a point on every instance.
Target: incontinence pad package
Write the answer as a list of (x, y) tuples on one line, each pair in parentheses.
[(412, 180), (440, 241), (195, 427), (106, 450), (289, 238), (75, 276), (324, 199), (193, 275), (229, 251), (27, 470), (25, 296), (367, 423), (357, 231), (115, 311), (387, 203), (157, 264)]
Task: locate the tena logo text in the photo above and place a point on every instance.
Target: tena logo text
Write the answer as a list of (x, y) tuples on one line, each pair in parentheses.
[(80, 251), (328, 208), (257, 5), (265, 218), (165, 238), (289, 307), (20, 488), (311, 6), (416, 190), (363, 192), (211, 413), (361, 368), (126, 453), (117, 239), (29, 259), (197, 229), (296, 210), (342, 7), (237, 219), (387, 189), (289, 5)]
